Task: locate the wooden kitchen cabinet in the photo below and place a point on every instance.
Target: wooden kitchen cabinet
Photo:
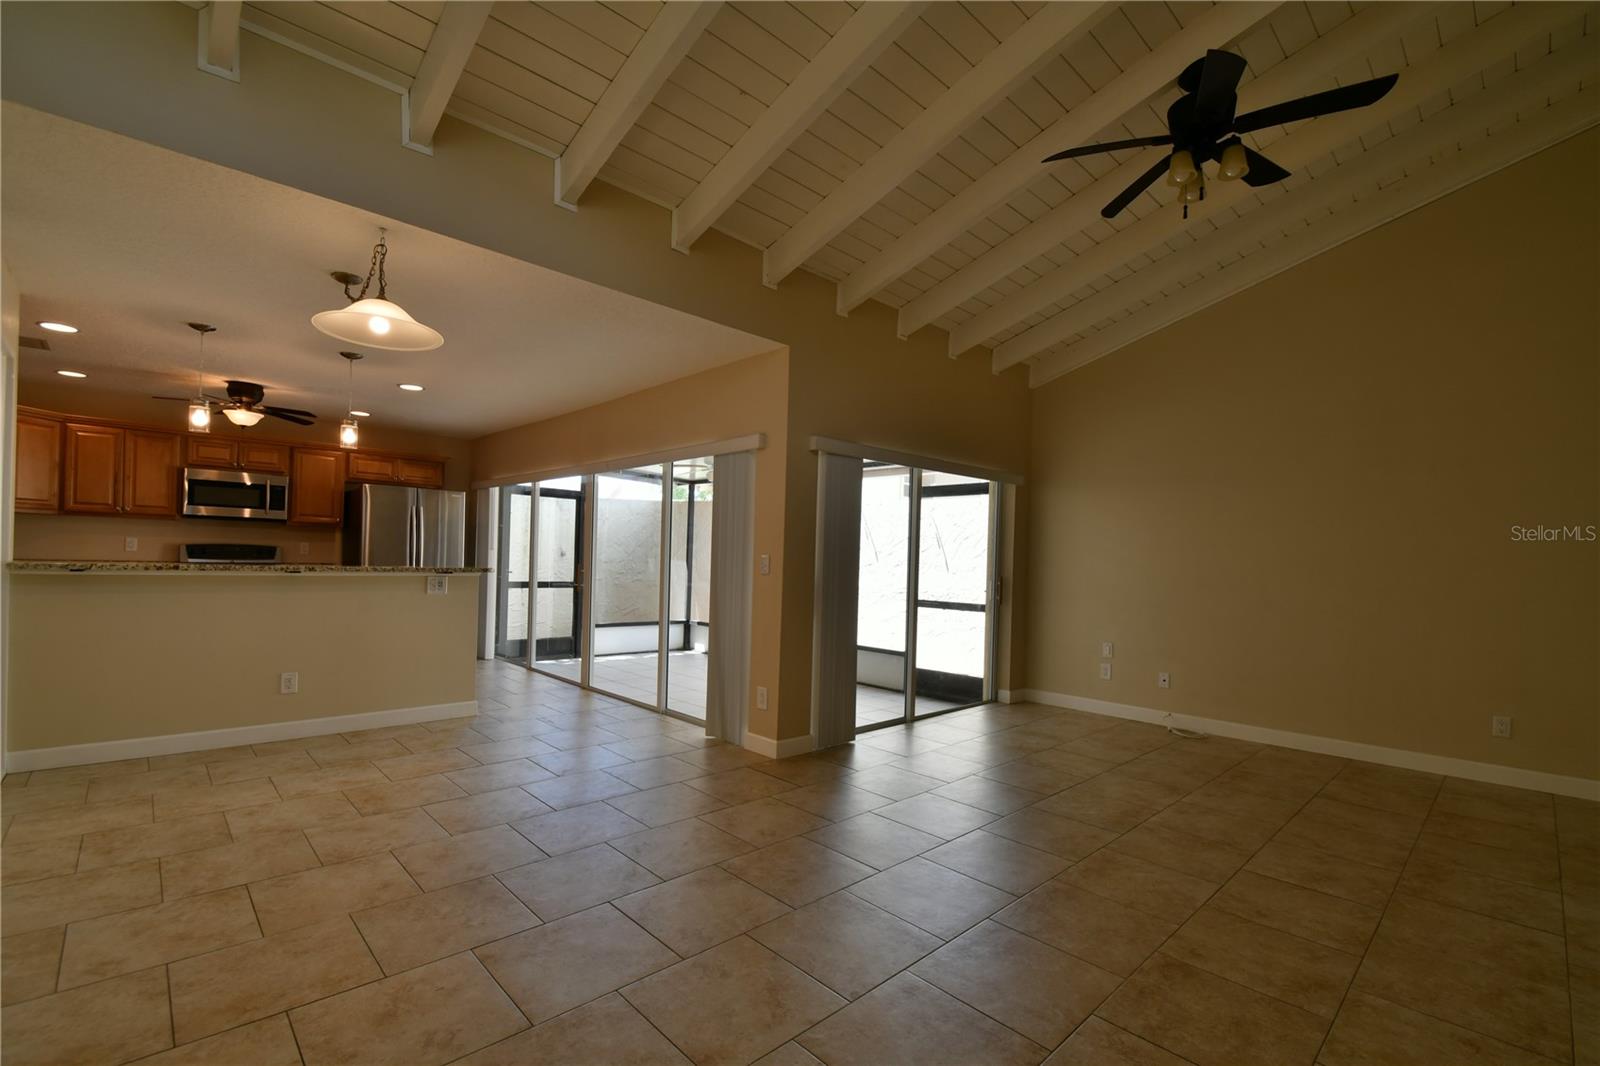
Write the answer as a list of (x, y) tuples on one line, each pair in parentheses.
[(150, 473), (219, 453), (364, 466), (38, 464), (212, 453), (267, 458), (419, 472), (91, 481), (396, 470), (316, 487)]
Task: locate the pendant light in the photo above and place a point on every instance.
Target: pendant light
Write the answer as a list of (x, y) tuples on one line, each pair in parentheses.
[(349, 428), (376, 322), (200, 407)]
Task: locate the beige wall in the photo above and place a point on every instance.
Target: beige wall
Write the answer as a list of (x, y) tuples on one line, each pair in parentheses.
[(91, 537), (110, 657), (1300, 501)]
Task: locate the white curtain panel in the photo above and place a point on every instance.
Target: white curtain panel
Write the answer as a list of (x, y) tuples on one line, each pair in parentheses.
[(733, 541), (833, 640)]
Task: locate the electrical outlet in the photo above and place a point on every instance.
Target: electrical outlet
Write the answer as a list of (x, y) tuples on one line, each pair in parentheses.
[(438, 584), (1106, 648), (130, 544), (1105, 671), (305, 547), (1500, 725), (1163, 680), (766, 565), (761, 697), (288, 683)]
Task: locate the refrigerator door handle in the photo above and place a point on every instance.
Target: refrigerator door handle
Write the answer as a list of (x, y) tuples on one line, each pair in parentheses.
[(411, 525), (422, 537)]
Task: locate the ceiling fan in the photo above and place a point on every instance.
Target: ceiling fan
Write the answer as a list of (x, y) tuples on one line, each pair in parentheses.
[(243, 407), (1202, 126)]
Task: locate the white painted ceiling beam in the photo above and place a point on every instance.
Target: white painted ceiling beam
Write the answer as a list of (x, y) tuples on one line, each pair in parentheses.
[(219, 38), (1054, 27), (1304, 72), (1143, 79), (1526, 90), (454, 37), (872, 28), (1463, 57), (651, 63), (1482, 158)]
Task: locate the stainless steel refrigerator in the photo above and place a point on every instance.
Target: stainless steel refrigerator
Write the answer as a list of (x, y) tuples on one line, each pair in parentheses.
[(391, 525)]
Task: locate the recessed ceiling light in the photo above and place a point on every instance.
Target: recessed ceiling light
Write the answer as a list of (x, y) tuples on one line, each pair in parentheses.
[(57, 327), (412, 388), (362, 414), (72, 373)]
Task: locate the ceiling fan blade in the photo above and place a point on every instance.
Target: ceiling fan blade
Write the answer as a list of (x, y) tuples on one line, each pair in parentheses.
[(1131, 193), (1214, 99), (1344, 98), (296, 418), (1108, 146), (190, 399), (1263, 171), (289, 411)]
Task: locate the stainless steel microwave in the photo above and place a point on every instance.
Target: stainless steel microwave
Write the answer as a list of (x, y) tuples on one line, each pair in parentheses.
[(235, 494)]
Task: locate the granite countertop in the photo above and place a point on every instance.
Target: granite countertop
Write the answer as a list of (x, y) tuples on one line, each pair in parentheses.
[(92, 566)]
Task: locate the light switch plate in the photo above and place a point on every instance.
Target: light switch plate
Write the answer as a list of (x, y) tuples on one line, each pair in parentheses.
[(1106, 648)]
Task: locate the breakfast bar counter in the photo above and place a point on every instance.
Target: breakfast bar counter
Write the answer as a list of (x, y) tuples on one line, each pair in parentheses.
[(115, 660)]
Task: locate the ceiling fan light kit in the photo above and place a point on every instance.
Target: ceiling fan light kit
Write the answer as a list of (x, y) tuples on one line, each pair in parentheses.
[(375, 321), (1202, 127), (243, 407), (242, 416)]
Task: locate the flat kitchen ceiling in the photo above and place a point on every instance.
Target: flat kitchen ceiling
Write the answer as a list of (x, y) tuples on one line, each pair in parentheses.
[(128, 242)]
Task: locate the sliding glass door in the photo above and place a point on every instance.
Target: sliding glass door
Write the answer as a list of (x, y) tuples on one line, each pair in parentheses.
[(924, 625), (625, 634), (689, 574), (512, 527), (558, 577), (619, 569)]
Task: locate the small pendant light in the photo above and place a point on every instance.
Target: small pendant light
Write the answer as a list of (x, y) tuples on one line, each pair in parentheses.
[(200, 407), (376, 322), (349, 428)]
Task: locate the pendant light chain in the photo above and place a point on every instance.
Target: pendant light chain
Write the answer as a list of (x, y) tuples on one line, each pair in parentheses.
[(380, 253)]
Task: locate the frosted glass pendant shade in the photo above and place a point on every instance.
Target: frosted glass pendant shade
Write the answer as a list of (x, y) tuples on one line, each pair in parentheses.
[(376, 323)]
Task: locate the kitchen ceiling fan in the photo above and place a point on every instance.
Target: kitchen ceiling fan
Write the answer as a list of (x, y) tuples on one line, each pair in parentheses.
[(1202, 126), (243, 407)]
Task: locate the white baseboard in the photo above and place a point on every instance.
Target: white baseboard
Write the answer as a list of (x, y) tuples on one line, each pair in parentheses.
[(1493, 773), (1005, 695), (779, 749), (174, 743)]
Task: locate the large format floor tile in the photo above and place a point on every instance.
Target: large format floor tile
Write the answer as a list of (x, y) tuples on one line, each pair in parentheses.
[(569, 878)]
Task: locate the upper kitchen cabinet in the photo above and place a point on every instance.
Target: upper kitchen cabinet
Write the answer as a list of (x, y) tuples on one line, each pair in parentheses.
[(92, 479), (150, 473), (219, 453), (108, 470), (316, 487), (38, 464), (396, 470)]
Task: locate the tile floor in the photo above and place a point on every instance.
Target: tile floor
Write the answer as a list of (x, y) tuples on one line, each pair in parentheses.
[(570, 879)]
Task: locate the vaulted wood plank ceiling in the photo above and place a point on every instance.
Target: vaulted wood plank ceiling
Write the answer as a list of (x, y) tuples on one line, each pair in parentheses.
[(894, 148)]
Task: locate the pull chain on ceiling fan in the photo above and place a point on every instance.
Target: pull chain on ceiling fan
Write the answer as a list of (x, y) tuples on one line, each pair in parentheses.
[(1202, 127)]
